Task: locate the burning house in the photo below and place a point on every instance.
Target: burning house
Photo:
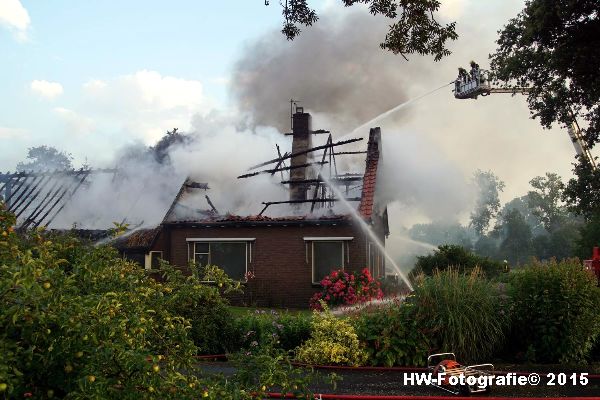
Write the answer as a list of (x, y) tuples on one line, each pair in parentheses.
[(282, 258)]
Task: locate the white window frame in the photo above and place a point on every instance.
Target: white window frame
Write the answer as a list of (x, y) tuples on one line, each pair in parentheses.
[(148, 258), (193, 241), (373, 254), (334, 239)]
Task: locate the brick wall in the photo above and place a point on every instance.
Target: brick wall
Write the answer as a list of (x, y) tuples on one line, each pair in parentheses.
[(279, 257)]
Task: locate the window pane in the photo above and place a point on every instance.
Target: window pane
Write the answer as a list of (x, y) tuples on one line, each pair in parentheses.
[(373, 260), (327, 256), (136, 257), (201, 259), (155, 256), (200, 247), (230, 257)]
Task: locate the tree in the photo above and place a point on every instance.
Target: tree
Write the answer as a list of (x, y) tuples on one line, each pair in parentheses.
[(161, 149), (583, 192), (545, 201), (590, 237), (521, 204), (488, 200), (552, 47), (453, 256), (516, 247), (45, 158), (440, 232), (415, 29)]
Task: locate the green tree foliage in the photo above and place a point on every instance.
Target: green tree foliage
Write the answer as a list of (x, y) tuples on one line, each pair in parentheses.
[(521, 204), (489, 187), (545, 201), (441, 232), (79, 321), (45, 158), (487, 246), (555, 312), (459, 258), (552, 48), (589, 237), (392, 336), (414, 28), (461, 313), (212, 328), (516, 246), (583, 192)]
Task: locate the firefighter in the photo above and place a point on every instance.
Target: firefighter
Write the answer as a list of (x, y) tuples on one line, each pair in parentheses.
[(474, 71), (463, 75)]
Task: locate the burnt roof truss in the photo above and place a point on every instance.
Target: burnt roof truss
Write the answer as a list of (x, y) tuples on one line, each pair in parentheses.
[(36, 198), (318, 194)]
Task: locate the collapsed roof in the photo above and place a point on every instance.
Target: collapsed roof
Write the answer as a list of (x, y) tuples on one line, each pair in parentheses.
[(37, 197), (307, 184)]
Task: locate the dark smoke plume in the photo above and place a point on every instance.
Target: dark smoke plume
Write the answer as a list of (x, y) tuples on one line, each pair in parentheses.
[(334, 68)]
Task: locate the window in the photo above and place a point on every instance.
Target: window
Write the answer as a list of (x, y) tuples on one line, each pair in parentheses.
[(231, 255), (375, 261), (326, 256), (152, 260)]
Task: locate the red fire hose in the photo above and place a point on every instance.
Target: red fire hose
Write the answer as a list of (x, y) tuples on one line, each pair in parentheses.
[(383, 397), (383, 369)]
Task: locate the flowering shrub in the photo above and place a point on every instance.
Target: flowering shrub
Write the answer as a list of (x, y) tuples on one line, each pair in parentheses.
[(281, 330), (342, 288), (333, 341)]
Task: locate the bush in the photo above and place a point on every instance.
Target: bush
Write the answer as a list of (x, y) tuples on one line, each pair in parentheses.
[(393, 286), (79, 321), (333, 341), (288, 330), (555, 311), (88, 325), (342, 288), (212, 327), (391, 335), (457, 257), (460, 313)]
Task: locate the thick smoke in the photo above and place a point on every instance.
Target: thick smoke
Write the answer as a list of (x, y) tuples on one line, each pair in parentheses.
[(335, 69), (142, 191), (344, 79)]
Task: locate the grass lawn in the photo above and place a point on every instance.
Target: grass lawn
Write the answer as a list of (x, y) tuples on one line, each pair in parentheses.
[(241, 311)]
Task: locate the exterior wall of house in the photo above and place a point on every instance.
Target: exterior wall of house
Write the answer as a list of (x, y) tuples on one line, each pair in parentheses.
[(281, 259)]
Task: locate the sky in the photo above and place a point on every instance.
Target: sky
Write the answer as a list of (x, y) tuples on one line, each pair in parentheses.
[(91, 78)]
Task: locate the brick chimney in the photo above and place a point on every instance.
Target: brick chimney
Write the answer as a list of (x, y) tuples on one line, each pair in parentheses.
[(301, 134)]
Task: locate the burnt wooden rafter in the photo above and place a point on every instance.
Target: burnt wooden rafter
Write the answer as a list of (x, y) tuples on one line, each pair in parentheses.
[(299, 153), (268, 171), (318, 185), (270, 203), (41, 195)]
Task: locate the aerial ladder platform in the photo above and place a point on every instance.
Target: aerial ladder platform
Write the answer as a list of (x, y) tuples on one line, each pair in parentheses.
[(475, 83)]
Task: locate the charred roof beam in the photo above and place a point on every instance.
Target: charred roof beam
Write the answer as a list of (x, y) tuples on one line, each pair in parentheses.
[(270, 203), (312, 149), (268, 171)]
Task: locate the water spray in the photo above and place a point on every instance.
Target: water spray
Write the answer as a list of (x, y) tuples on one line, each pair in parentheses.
[(365, 227), (393, 110)]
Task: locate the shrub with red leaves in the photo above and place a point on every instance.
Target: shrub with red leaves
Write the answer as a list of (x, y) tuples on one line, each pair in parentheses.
[(343, 288)]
